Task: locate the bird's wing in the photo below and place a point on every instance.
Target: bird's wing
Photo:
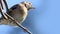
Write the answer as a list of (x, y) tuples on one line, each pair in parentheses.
[(12, 8)]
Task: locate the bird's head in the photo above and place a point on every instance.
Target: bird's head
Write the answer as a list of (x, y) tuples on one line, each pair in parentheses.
[(28, 5)]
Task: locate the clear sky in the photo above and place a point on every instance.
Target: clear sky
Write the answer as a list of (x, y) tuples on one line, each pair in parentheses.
[(45, 19)]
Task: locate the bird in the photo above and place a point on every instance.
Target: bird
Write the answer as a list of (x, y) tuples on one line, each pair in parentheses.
[(19, 12)]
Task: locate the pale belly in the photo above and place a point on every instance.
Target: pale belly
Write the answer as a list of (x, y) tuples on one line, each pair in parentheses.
[(19, 17)]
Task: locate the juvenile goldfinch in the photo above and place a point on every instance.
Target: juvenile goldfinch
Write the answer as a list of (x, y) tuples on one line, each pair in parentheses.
[(18, 12)]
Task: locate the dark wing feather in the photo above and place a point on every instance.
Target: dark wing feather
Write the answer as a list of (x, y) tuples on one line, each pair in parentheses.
[(12, 8)]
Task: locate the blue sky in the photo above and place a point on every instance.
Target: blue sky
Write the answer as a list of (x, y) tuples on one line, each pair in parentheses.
[(45, 19)]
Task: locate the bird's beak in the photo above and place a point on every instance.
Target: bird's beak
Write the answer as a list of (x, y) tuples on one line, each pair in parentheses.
[(32, 7)]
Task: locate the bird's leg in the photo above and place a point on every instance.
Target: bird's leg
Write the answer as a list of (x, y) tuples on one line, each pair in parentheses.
[(1, 10), (18, 24)]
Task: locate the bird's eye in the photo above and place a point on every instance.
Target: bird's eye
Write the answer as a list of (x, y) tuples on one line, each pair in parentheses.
[(25, 4)]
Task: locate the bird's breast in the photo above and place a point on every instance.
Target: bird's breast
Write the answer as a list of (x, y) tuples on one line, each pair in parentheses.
[(19, 15)]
